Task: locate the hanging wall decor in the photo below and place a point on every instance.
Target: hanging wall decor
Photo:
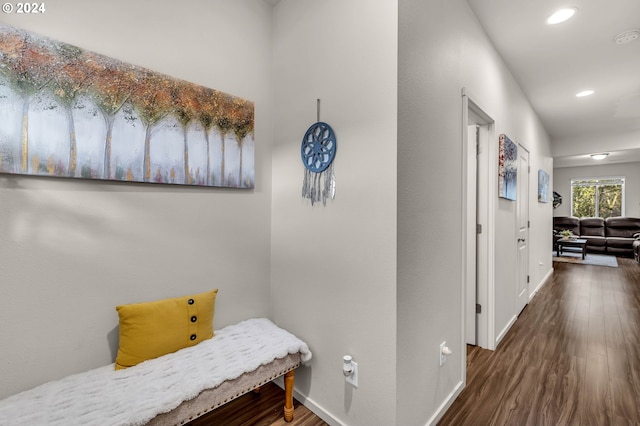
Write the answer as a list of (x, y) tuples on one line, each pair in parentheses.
[(68, 112), (543, 186), (318, 151), (507, 168)]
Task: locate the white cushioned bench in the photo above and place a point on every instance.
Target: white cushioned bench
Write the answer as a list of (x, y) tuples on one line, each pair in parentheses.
[(170, 390)]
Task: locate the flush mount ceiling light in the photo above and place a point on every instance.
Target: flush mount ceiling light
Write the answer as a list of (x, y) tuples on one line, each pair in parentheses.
[(561, 15), (584, 93), (627, 36), (600, 156)]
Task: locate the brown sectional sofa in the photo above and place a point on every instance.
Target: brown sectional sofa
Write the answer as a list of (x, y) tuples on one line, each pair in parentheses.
[(619, 236)]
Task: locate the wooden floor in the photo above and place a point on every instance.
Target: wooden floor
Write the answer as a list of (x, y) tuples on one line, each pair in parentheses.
[(263, 409), (571, 358)]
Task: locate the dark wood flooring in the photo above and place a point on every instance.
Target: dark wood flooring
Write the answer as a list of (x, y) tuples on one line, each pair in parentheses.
[(263, 409), (571, 358)]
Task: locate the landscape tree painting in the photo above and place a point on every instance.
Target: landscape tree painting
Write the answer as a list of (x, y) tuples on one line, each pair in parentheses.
[(507, 168), (65, 111)]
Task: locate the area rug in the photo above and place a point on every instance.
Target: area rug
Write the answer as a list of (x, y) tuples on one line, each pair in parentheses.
[(590, 259)]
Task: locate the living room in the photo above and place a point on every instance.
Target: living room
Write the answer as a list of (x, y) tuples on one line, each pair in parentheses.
[(599, 196)]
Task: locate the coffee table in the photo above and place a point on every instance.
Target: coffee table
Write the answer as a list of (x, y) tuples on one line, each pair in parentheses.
[(577, 243)]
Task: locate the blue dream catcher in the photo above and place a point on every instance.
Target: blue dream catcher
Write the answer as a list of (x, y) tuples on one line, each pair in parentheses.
[(318, 151)]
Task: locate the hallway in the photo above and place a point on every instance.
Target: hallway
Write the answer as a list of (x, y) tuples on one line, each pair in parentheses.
[(571, 358)]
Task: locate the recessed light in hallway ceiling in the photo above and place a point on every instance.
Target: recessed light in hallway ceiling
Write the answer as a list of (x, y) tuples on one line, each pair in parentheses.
[(561, 16), (552, 63), (584, 93)]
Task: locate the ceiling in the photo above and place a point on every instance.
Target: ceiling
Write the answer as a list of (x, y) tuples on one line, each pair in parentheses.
[(553, 63)]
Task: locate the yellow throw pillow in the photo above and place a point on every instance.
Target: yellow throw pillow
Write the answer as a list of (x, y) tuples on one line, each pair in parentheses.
[(152, 329)]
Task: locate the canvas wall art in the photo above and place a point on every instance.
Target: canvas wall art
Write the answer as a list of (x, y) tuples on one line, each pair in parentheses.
[(68, 112), (543, 186), (507, 168)]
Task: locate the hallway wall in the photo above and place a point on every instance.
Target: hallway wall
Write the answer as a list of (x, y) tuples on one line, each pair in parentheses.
[(74, 249), (443, 48), (334, 266)]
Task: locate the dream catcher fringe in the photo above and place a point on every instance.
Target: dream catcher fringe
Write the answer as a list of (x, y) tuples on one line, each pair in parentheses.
[(319, 186), (318, 150)]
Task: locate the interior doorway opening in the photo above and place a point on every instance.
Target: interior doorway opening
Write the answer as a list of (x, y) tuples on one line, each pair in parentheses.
[(478, 244)]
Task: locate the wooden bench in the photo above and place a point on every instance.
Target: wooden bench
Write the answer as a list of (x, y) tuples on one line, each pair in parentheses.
[(210, 399), (171, 390)]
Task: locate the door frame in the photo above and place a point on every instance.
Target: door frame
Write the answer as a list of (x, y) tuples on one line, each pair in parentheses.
[(486, 293), (522, 264)]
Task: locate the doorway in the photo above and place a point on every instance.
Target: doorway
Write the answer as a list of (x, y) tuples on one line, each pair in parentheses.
[(478, 225)]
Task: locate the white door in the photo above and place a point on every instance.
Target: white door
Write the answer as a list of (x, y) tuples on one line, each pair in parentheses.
[(472, 285), (522, 280), (478, 230), (483, 235)]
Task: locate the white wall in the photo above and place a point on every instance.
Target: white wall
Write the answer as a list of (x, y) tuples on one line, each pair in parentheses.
[(442, 48), (72, 250), (630, 171), (587, 144), (541, 215), (334, 267)]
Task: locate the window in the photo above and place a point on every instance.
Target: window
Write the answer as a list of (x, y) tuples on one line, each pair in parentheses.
[(597, 197)]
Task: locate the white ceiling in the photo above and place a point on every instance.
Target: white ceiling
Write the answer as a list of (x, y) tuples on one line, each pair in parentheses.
[(553, 63)]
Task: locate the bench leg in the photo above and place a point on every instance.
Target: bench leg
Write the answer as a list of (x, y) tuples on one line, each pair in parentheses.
[(288, 395)]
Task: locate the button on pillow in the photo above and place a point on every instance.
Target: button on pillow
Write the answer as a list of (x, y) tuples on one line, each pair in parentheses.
[(152, 329)]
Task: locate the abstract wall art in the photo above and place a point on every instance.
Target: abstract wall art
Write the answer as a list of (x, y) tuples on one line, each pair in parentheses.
[(69, 112), (507, 168), (543, 186)]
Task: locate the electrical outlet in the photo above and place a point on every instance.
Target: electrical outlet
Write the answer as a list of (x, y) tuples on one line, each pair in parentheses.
[(443, 357), (353, 378)]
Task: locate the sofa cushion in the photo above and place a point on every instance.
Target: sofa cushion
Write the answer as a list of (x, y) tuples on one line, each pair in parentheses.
[(596, 249), (622, 226), (619, 242), (593, 241), (592, 226), (560, 223), (616, 251)]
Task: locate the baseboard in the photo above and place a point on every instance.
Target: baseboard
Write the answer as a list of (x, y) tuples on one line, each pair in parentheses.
[(542, 283), (446, 404), (332, 421), (505, 330), (317, 410), (311, 405)]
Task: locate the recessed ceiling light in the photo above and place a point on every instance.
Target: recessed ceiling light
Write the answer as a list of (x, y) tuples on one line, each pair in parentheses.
[(584, 93), (627, 36), (561, 15), (601, 156)]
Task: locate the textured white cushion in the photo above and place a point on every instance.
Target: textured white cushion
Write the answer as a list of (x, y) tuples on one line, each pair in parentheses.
[(135, 395)]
